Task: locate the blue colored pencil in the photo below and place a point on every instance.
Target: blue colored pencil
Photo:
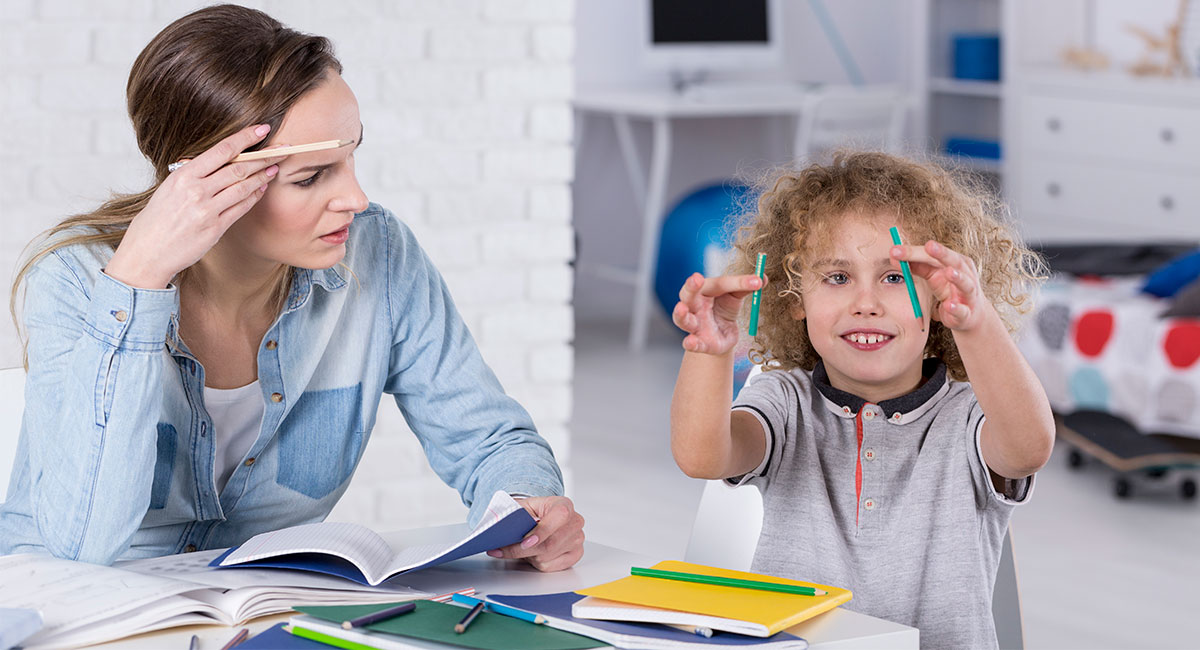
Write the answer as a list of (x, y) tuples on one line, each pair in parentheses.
[(500, 609), (908, 281)]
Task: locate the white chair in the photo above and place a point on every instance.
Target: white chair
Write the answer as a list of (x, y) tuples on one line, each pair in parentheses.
[(729, 520), (12, 408), (860, 117)]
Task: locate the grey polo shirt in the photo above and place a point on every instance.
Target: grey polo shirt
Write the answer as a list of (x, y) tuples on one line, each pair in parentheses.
[(891, 501)]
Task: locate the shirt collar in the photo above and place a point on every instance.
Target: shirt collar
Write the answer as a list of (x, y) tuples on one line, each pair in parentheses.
[(329, 279), (898, 409)]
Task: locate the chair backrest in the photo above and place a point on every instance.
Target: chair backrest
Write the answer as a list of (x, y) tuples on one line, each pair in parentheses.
[(729, 520), (12, 408), (863, 117)]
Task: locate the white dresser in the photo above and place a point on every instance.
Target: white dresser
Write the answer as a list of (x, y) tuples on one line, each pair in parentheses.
[(1103, 156)]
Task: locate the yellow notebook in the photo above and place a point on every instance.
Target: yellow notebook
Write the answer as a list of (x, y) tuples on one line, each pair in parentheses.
[(763, 613)]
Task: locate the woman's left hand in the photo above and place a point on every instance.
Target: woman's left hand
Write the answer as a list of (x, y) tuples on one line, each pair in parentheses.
[(959, 304), (556, 542)]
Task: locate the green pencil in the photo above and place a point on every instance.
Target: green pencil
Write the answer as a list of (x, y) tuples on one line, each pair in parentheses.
[(326, 639), (757, 297), (908, 281), (727, 582)]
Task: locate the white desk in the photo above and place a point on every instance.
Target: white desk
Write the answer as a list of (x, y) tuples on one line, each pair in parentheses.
[(660, 108), (840, 629)]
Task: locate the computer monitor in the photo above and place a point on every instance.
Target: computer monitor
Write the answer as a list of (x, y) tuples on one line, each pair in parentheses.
[(690, 38)]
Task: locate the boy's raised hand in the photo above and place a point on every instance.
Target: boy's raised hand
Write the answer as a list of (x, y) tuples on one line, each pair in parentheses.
[(708, 309), (954, 280)]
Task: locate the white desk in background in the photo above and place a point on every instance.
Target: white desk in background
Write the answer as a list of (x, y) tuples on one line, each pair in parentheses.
[(659, 108), (840, 629)]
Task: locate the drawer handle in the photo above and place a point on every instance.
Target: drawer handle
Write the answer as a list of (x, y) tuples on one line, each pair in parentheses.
[(1167, 202), (1053, 124), (1167, 135), (1053, 189)]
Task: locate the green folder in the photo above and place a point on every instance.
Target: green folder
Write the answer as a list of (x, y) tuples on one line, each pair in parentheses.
[(433, 621)]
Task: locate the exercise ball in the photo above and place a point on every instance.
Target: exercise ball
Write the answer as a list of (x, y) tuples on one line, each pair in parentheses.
[(696, 236)]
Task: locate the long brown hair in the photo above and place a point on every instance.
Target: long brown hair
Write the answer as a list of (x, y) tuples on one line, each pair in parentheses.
[(201, 79), (797, 215)]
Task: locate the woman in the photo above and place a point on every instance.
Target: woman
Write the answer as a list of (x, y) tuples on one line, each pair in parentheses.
[(205, 358)]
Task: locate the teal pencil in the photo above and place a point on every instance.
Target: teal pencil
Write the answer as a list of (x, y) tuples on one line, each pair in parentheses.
[(757, 297), (727, 582), (908, 281)]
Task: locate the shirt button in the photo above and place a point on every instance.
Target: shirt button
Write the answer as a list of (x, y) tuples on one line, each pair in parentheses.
[(276, 397), (868, 414), (249, 461), (190, 548), (869, 504), (896, 416), (846, 410), (271, 345), (120, 315), (869, 453)]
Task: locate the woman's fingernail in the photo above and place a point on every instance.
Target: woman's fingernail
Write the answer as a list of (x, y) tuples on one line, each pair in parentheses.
[(495, 553), (262, 129), (529, 542), (272, 170)]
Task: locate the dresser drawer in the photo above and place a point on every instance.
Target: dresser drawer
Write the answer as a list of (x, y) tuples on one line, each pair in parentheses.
[(1163, 135), (1143, 203)]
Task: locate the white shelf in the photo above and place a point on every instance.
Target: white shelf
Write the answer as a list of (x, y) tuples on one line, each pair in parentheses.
[(988, 165), (948, 86)]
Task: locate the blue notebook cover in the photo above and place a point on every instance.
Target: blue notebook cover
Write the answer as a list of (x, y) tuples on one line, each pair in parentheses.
[(276, 638), (509, 530), (558, 606)]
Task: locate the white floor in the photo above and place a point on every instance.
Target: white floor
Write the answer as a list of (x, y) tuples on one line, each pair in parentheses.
[(1094, 572)]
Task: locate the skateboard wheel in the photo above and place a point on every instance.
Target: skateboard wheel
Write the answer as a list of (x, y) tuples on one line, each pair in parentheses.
[(1188, 489), (1074, 459), (1122, 488)]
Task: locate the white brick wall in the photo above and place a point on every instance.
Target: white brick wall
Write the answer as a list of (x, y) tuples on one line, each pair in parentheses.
[(468, 125)]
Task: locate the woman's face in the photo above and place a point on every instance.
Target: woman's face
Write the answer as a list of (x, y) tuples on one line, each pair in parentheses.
[(303, 219)]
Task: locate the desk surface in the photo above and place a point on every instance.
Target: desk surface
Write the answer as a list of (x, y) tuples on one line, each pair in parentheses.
[(663, 103), (840, 629)]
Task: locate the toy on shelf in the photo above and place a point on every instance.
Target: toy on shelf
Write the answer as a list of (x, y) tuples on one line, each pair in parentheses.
[(1164, 55)]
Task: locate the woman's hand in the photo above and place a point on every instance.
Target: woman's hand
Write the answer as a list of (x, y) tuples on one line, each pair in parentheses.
[(190, 211), (556, 543), (707, 310), (960, 304)]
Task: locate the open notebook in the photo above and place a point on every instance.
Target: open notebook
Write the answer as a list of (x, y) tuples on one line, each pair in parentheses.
[(83, 604), (359, 554)]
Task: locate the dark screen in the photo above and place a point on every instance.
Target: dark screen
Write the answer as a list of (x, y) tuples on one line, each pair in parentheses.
[(708, 21)]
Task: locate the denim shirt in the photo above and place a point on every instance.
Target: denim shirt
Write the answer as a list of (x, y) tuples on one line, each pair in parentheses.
[(115, 459)]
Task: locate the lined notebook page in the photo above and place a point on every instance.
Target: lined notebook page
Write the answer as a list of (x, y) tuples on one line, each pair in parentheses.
[(357, 544)]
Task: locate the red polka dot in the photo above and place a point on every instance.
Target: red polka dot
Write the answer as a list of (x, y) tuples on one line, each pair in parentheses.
[(1182, 343), (1093, 330)]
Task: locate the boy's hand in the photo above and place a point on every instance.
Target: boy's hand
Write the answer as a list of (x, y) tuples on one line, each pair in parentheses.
[(960, 305), (708, 309)]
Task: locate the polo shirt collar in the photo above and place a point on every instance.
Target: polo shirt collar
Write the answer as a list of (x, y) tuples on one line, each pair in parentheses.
[(900, 409)]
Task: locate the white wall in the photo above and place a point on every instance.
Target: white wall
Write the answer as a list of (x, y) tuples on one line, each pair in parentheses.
[(466, 110), (877, 32)]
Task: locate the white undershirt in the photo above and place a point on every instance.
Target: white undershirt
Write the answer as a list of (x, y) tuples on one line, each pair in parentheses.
[(236, 416)]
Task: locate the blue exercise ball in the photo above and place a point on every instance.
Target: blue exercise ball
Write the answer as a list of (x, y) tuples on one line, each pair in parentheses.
[(696, 237)]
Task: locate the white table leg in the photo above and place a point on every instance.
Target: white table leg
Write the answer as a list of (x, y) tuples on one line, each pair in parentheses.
[(633, 162), (660, 158)]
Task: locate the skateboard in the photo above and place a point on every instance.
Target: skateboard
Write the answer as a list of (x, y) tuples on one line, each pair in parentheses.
[(1129, 452)]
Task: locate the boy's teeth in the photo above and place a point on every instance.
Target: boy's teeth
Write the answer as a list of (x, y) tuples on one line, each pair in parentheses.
[(868, 339)]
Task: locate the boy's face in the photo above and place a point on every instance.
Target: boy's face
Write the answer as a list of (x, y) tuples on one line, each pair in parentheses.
[(860, 319)]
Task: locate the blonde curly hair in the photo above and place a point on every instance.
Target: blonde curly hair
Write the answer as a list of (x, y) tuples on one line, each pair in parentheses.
[(796, 215)]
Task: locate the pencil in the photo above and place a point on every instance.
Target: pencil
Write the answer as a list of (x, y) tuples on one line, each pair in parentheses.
[(757, 297), (908, 281), (381, 615), (287, 151), (461, 626), (500, 609), (194, 644), (237, 638), (727, 582)]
